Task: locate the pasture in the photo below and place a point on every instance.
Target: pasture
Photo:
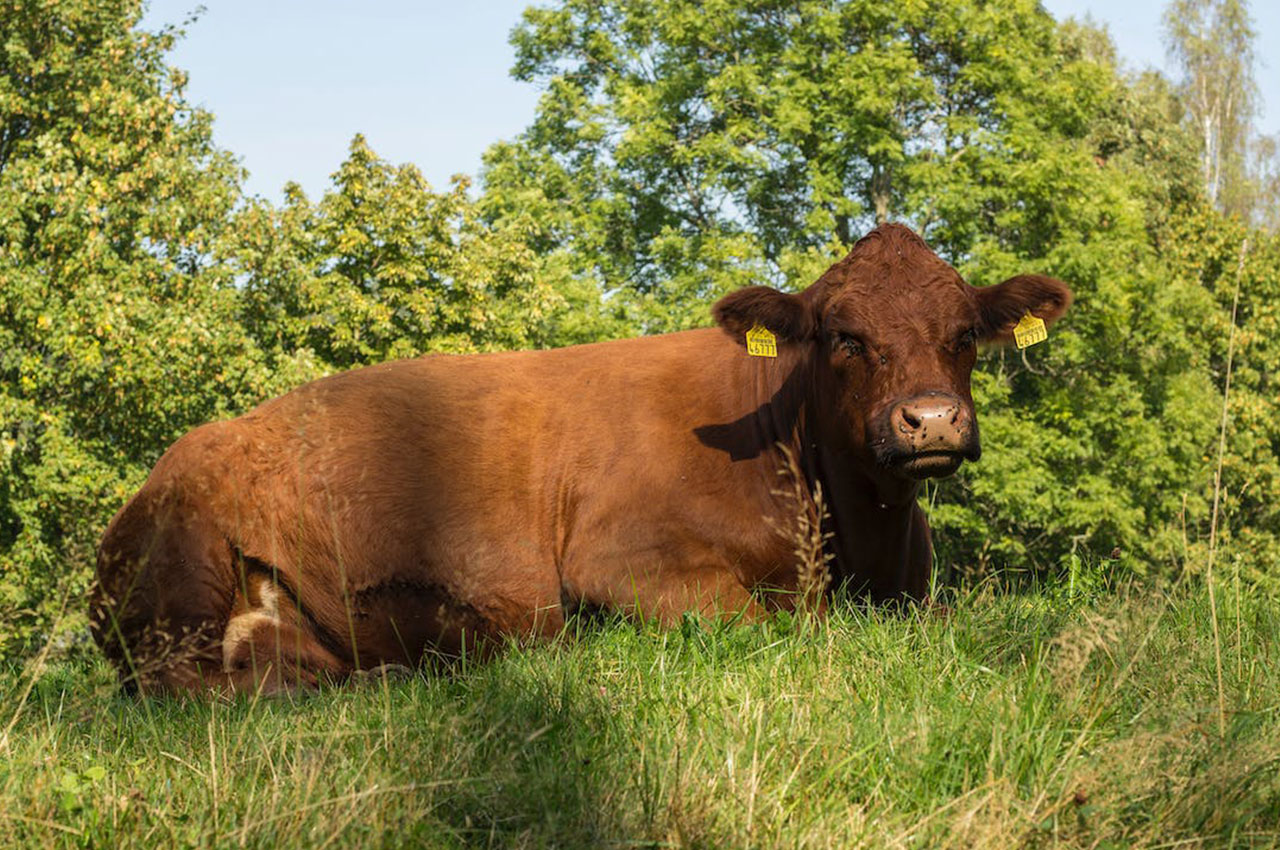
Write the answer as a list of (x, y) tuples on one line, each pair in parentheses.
[(1038, 719), (678, 152)]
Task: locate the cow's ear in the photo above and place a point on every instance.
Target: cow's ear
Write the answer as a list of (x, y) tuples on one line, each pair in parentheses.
[(1003, 305), (788, 316)]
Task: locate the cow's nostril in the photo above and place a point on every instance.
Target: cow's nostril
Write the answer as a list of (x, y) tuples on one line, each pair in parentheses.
[(908, 416)]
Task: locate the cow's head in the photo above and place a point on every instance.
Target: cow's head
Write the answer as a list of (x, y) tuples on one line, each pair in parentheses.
[(893, 332)]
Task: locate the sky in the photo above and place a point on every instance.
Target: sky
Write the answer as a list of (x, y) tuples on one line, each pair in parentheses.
[(290, 82)]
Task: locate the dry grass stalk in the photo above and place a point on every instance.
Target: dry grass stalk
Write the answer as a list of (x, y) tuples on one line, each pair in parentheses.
[(1217, 488), (804, 532)]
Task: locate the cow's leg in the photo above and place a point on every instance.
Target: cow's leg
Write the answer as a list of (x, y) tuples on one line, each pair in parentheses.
[(712, 592), (165, 588), (266, 646), (171, 589), (527, 604), (269, 646)]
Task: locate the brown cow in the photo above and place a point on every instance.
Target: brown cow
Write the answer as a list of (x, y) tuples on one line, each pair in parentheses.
[(423, 507)]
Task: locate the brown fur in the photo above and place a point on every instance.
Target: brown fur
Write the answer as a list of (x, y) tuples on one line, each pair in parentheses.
[(431, 507)]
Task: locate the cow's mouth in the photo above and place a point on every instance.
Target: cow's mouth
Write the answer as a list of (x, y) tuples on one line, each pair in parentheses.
[(932, 464)]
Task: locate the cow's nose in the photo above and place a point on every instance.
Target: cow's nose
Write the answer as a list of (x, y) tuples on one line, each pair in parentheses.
[(931, 434), (931, 422)]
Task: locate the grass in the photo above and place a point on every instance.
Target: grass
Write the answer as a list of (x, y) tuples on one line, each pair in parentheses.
[(1018, 721)]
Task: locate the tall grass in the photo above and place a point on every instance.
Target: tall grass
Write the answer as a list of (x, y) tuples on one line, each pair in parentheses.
[(1217, 483), (1020, 720)]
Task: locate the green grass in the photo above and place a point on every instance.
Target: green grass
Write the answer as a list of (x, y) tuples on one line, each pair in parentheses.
[(1018, 721)]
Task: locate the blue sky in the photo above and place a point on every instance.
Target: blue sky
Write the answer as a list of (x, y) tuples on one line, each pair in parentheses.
[(291, 82)]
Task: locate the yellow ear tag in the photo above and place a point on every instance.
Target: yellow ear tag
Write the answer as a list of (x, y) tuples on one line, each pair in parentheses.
[(1029, 330), (761, 342)]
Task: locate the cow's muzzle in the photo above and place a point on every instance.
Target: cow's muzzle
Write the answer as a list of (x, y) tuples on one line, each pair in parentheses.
[(930, 435)]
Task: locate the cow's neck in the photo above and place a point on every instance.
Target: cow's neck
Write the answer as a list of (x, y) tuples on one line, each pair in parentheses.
[(870, 513), (764, 406), (870, 525)]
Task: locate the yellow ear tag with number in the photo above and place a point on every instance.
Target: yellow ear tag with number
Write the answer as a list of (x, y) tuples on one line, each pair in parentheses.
[(1029, 330), (761, 342)]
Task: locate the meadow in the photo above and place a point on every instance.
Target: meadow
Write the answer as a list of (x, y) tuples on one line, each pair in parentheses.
[(1047, 718), (144, 290)]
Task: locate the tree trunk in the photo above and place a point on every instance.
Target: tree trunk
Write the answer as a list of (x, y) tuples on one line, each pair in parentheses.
[(842, 230), (880, 192)]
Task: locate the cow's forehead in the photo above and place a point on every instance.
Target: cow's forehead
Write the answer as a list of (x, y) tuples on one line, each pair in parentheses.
[(892, 274)]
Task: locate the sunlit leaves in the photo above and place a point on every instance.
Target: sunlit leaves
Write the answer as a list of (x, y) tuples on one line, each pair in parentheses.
[(115, 333), (383, 266)]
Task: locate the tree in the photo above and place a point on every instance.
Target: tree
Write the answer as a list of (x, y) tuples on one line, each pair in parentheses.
[(1211, 41), (703, 149), (1263, 171), (384, 267), (116, 334), (1218, 254)]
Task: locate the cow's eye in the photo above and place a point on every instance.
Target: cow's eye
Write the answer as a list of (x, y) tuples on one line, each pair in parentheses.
[(967, 340), (850, 345)]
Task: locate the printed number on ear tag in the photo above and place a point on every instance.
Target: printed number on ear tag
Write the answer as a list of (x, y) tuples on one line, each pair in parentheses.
[(761, 342), (1029, 330)]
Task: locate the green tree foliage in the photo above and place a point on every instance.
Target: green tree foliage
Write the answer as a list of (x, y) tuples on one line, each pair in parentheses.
[(115, 334), (705, 145), (384, 267), (1205, 250)]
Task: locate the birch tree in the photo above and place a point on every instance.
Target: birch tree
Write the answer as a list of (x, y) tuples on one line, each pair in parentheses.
[(1211, 42)]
